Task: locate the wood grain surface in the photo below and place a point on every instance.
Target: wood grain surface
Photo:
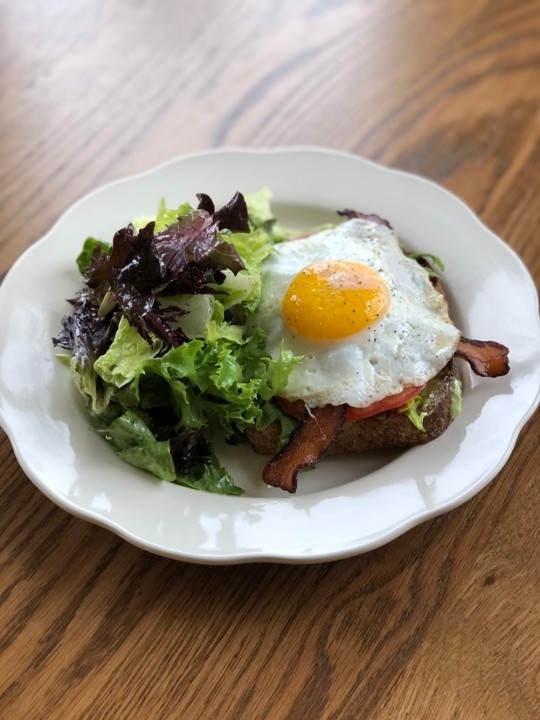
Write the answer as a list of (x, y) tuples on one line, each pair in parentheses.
[(442, 623)]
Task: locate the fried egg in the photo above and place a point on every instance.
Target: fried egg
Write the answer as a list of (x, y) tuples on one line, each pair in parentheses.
[(365, 319)]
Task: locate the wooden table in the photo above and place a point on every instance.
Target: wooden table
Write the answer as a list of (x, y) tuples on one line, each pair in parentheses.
[(444, 621)]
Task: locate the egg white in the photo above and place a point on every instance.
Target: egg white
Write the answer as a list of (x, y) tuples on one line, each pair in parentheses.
[(407, 346)]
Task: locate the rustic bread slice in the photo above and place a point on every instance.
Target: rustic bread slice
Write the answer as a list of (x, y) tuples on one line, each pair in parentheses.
[(387, 430)]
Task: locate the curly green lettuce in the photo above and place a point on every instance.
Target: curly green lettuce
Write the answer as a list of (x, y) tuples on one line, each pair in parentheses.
[(158, 344)]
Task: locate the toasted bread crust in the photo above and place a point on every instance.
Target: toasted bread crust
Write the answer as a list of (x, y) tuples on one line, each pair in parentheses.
[(387, 430)]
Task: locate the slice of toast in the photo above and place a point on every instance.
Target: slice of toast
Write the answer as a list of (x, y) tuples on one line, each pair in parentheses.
[(386, 430), (389, 429)]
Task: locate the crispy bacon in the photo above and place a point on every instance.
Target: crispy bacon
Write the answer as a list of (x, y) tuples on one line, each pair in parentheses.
[(487, 358), (306, 446)]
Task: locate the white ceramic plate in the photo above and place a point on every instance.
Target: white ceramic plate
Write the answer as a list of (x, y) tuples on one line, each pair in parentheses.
[(347, 505)]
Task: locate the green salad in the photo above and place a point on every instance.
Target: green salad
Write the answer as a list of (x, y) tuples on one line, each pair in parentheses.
[(157, 337)]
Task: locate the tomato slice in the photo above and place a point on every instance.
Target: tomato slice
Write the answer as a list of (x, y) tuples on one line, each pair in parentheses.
[(391, 402), (296, 408)]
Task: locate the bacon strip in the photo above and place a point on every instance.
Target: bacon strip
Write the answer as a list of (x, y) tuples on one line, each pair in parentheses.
[(305, 447), (487, 358)]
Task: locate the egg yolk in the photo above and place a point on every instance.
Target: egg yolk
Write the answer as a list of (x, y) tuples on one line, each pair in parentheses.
[(331, 299)]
